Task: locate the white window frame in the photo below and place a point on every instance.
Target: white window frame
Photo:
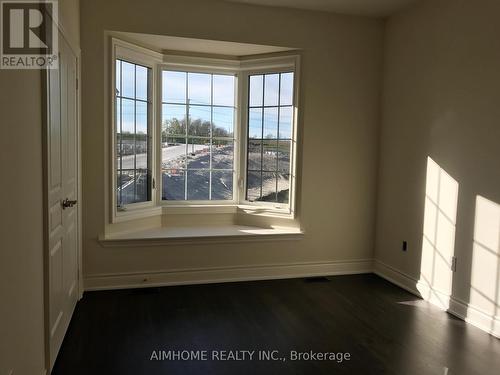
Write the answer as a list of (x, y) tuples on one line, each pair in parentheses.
[(242, 69), (210, 66), (258, 67), (134, 54)]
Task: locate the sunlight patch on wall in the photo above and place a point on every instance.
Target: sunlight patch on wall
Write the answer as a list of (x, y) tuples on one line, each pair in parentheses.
[(438, 244), (485, 272)]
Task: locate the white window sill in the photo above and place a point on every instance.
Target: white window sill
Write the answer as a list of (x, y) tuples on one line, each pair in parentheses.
[(241, 209), (199, 235)]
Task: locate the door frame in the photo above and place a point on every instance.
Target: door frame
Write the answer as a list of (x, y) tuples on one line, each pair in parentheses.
[(45, 169)]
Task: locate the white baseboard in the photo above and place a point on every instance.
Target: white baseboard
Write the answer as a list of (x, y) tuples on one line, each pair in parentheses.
[(225, 274), (454, 306), (396, 277), (476, 317)]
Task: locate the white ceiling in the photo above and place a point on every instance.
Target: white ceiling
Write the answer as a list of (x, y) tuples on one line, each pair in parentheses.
[(356, 7), (163, 43)]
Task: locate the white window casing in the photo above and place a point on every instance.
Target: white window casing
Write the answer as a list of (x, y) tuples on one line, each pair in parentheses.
[(241, 69)]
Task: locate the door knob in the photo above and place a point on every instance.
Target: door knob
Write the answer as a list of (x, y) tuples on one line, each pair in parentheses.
[(68, 203)]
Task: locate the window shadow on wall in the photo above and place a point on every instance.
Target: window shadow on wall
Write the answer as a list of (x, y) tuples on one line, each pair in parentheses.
[(485, 265), (438, 240), (446, 269)]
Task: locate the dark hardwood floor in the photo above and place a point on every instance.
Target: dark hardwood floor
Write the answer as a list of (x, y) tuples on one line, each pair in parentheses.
[(384, 329)]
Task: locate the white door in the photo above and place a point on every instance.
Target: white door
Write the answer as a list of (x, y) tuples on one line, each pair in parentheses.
[(62, 179)]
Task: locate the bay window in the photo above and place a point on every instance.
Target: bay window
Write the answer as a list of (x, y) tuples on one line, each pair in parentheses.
[(197, 132)]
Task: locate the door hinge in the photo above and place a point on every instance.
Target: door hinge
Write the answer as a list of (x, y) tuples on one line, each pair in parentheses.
[(454, 264), (154, 183), (77, 83)]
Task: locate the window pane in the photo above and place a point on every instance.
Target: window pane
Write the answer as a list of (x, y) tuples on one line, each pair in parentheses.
[(198, 153), (174, 120), (222, 185), (173, 184), (283, 188), (199, 121), (128, 149), (199, 88), (198, 185), (286, 89), (223, 119), (269, 156), (118, 149), (254, 155), (256, 87), (284, 148), (118, 195), (271, 123), (268, 187), (222, 154), (174, 87), (223, 90), (118, 117), (141, 117), (133, 161), (286, 118), (253, 186), (128, 79), (198, 137), (141, 82), (142, 185), (128, 116), (174, 153), (118, 75), (126, 187), (255, 123), (271, 85), (141, 148)]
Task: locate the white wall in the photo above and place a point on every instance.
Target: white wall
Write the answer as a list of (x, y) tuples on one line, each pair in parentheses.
[(21, 217), (339, 129), (441, 89)]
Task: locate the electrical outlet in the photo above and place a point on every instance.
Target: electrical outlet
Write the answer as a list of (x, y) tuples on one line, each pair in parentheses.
[(405, 246)]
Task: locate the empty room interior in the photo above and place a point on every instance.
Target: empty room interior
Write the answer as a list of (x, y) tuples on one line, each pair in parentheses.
[(250, 187)]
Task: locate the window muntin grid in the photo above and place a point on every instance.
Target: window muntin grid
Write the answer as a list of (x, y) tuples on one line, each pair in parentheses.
[(197, 136), (269, 143), (132, 122)]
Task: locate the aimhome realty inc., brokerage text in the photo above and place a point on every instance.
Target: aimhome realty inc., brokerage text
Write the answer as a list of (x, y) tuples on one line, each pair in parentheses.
[(247, 355)]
